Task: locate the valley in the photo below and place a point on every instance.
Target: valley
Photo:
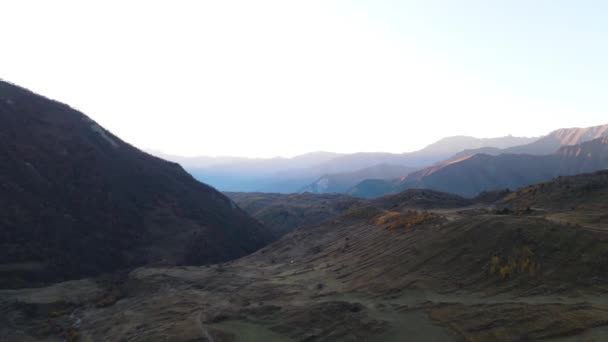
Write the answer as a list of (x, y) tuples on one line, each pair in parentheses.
[(103, 242), (304, 171), (388, 270)]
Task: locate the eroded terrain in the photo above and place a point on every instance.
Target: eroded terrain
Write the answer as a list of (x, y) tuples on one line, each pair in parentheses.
[(370, 275)]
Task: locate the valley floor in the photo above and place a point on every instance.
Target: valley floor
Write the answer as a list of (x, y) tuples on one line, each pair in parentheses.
[(471, 276)]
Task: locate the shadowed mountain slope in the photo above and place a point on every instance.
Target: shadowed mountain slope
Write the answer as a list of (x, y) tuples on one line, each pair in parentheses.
[(372, 188), (421, 199), (470, 176), (342, 182), (283, 213), (429, 155), (75, 200), (584, 191)]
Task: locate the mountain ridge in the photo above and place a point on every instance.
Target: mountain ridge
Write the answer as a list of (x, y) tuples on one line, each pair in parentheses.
[(342, 182), (289, 175), (547, 144), (483, 172), (77, 200), (469, 172)]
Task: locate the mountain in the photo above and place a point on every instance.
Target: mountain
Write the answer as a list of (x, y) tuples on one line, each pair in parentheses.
[(451, 145), (287, 175), (481, 172), (76, 200), (342, 182), (256, 174), (372, 188), (493, 151), (552, 142), (429, 155), (332, 175), (548, 144), (261, 166)]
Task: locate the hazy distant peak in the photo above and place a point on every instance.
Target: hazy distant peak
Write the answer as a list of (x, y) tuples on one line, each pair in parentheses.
[(463, 142), (577, 135), (552, 142)]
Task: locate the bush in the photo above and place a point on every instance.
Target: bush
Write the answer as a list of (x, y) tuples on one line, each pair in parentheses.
[(362, 212), (409, 219), (521, 261)]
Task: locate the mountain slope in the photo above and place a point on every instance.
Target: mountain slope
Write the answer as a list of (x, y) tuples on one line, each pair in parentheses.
[(285, 212), (429, 155), (285, 175), (548, 144), (372, 188), (342, 182), (481, 172), (562, 137), (584, 191), (455, 144), (76, 200), (421, 199)]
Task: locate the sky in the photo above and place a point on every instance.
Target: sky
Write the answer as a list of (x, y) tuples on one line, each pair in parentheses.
[(282, 78)]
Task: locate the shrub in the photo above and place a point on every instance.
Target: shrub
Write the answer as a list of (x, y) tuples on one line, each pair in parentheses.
[(362, 212), (521, 261), (389, 216), (409, 219)]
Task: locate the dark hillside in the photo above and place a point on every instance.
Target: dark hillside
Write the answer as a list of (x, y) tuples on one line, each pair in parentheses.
[(75, 200), (283, 213), (585, 191)]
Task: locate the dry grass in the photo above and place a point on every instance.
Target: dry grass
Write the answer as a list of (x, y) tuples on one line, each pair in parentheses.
[(517, 321), (522, 261), (405, 220), (364, 212)]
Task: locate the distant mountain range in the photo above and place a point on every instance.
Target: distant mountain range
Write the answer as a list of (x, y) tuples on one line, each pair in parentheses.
[(307, 172), (76, 201), (459, 164), (548, 144), (343, 182), (468, 175)]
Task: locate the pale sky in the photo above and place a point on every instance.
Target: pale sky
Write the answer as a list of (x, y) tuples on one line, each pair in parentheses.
[(280, 78)]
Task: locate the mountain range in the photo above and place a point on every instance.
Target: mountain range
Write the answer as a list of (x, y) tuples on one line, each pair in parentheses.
[(459, 164), (309, 171), (548, 144), (343, 182), (469, 173)]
